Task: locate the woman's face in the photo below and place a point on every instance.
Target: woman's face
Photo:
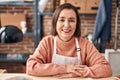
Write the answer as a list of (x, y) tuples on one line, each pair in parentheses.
[(66, 24)]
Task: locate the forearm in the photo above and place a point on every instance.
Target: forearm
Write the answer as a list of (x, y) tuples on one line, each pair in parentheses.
[(96, 71), (101, 71), (38, 69)]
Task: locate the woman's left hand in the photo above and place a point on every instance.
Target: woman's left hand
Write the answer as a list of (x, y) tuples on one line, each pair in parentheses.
[(81, 70)]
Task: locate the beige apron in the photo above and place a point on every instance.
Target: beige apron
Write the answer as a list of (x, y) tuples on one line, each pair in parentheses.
[(59, 59)]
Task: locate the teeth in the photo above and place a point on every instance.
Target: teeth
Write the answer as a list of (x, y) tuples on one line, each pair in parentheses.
[(66, 30)]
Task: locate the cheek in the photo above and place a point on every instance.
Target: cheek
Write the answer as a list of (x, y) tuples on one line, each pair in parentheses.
[(58, 26), (74, 26)]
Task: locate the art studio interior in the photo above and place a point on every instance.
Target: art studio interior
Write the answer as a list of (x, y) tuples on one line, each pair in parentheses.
[(24, 23)]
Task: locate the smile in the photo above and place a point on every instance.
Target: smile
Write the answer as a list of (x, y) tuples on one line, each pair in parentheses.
[(66, 30)]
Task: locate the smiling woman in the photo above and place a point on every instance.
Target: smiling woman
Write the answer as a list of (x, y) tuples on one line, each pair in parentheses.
[(10, 34), (66, 53)]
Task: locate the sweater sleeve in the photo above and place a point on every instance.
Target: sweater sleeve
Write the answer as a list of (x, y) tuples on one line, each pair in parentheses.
[(39, 64), (96, 62)]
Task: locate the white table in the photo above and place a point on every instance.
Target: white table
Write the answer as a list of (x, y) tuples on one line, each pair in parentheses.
[(7, 76)]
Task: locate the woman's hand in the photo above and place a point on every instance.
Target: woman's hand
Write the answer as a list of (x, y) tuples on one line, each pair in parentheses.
[(74, 71), (81, 70), (70, 67)]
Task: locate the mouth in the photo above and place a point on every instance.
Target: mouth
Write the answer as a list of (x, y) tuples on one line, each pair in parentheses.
[(66, 30)]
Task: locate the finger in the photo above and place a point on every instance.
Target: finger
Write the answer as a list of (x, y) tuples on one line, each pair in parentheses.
[(78, 69), (80, 66), (77, 73)]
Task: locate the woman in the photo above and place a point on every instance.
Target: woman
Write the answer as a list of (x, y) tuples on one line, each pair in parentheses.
[(65, 53)]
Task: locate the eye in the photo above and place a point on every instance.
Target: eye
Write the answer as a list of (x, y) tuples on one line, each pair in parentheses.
[(71, 20), (61, 20)]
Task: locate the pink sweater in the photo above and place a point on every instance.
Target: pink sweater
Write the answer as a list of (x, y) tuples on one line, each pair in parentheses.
[(39, 64)]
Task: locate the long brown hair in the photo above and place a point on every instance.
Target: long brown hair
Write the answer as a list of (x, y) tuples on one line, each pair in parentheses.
[(56, 15)]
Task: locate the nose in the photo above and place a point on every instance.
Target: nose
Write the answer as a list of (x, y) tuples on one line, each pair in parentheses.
[(67, 24)]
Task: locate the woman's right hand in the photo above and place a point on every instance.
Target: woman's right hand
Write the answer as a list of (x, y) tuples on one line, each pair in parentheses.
[(70, 67)]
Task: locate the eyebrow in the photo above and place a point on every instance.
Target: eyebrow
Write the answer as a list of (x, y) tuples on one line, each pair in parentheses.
[(72, 18), (69, 18)]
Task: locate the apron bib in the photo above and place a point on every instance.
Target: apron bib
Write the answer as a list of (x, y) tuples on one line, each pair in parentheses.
[(59, 59)]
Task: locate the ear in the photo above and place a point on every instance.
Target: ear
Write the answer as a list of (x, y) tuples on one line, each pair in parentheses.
[(2, 34)]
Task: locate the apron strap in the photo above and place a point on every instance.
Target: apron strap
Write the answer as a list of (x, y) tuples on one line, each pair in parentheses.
[(54, 52), (78, 50)]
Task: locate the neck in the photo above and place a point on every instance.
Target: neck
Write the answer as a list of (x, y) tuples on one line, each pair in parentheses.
[(65, 39)]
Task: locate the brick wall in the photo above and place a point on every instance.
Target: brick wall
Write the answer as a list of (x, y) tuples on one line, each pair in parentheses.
[(27, 45)]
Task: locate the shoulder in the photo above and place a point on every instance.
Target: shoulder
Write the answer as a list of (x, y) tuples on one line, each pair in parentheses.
[(87, 46), (47, 39), (50, 37), (84, 42)]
